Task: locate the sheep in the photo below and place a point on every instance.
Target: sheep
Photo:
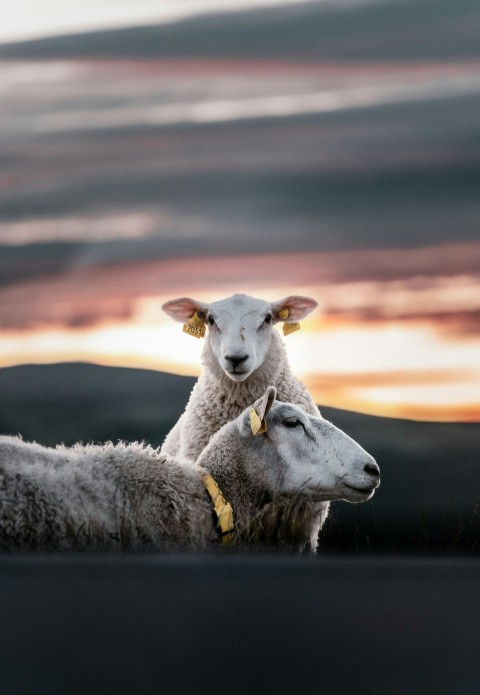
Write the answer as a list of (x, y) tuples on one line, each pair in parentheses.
[(242, 355), (133, 497)]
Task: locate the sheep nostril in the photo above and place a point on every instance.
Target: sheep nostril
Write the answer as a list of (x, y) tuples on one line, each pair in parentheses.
[(236, 360), (373, 469)]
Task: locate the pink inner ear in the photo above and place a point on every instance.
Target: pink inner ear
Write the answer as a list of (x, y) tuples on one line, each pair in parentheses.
[(183, 309), (298, 307)]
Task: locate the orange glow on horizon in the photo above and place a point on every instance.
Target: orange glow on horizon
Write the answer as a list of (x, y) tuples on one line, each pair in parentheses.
[(396, 331), (428, 378)]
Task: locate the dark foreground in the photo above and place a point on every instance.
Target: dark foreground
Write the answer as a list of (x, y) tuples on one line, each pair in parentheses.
[(241, 624)]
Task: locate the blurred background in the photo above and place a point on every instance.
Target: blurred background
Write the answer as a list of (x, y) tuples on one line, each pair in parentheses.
[(155, 150)]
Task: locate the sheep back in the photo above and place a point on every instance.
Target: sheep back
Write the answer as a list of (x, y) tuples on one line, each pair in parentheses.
[(111, 497)]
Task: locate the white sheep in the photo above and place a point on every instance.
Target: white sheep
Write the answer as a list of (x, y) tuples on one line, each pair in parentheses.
[(242, 355), (133, 497)]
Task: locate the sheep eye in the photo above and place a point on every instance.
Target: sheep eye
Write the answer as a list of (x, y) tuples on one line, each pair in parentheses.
[(268, 318), (292, 423), (211, 320)]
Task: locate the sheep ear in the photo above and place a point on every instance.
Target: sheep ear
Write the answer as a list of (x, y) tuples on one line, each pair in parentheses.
[(253, 419), (291, 310), (184, 308)]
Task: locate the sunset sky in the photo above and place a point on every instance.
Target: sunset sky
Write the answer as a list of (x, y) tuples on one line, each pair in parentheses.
[(293, 148)]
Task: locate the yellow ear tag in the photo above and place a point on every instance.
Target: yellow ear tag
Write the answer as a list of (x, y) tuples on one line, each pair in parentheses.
[(288, 327), (256, 424), (195, 326)]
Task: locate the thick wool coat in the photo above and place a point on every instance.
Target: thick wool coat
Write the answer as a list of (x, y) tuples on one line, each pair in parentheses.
[(129, 497), (216, 399)]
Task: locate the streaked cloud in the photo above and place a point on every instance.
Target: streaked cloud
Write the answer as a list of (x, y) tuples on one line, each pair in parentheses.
[(423, 395), (29, 20), (95, 229), (382, 284), (250, 97)]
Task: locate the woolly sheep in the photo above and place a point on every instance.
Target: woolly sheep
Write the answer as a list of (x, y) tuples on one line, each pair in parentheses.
[(133, 497), (242, 355)]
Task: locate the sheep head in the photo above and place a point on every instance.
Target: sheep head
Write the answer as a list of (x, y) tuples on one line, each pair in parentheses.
[(240, 327), (301, 454)]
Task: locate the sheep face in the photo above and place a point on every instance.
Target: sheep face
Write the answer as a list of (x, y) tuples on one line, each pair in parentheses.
[(300, 453), (239, 334), (240, 328)]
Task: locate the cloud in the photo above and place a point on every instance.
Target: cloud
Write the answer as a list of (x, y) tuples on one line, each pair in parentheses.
[(435, 283), (437, 394), (145, 95), (27, 20), (88, 228)]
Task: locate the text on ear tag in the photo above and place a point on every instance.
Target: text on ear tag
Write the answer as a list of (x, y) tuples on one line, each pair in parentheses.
[(257, 425), (195, 326), (290, 328)]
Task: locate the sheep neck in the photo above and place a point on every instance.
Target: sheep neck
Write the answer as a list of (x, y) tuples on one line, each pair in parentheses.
[(225, 459), (259, 517)]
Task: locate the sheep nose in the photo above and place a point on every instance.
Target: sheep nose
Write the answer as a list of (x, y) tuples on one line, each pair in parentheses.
[(235, 360), (372, 469)]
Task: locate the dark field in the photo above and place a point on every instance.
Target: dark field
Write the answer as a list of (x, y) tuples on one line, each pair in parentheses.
[(175, 625)]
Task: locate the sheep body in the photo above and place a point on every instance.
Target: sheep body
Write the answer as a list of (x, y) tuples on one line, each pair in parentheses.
[(123, 496), (131, 496)]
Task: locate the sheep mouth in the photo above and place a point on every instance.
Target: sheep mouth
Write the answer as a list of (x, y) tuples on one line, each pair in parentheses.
[(238, 375), (362, 490), (360, 494)]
